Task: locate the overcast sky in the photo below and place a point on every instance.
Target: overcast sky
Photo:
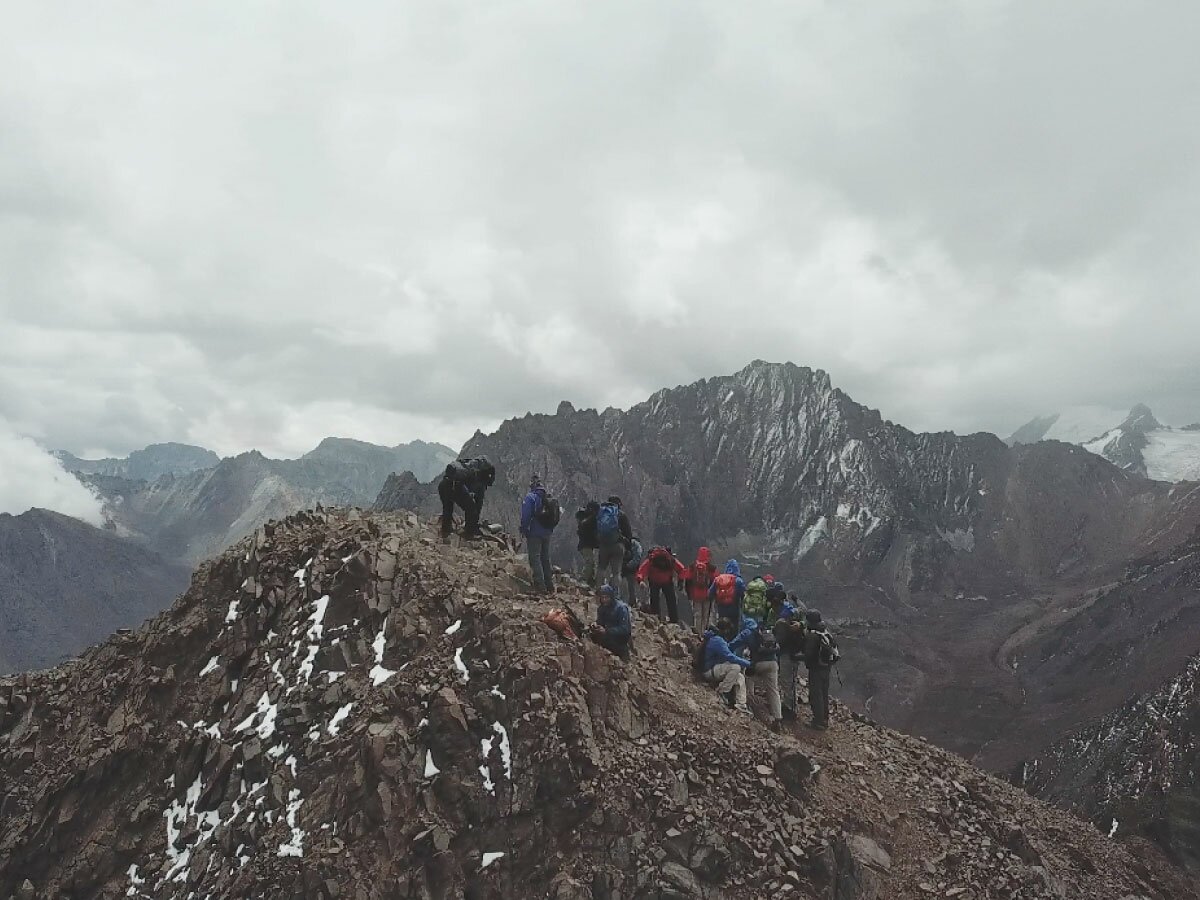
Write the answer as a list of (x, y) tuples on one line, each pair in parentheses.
[(257, 224)]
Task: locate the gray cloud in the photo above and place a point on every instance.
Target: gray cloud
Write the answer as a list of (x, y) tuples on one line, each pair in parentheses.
[(258, 225)]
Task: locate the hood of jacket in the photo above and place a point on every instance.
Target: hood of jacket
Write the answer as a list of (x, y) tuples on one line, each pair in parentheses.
[(703, 556), (732, 568)]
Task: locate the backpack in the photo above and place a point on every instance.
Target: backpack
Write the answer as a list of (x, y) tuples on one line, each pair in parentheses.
[(726, 588), (660, 559), (767, 648), (633, 557), (756, 598), (608, 524), (549, 513), (827, 651), (481, 470)]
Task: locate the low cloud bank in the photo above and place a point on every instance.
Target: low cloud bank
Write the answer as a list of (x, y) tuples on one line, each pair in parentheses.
[(30, 476)]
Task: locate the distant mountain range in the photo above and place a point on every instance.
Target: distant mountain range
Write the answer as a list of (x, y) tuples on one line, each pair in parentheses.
[(189, 504), (65, 585), (1137, 443)]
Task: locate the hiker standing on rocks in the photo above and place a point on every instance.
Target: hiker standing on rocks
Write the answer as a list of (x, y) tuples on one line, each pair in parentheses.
[(585, 528), (700, 575), (613, 534), (759, 642), (464, 483), (727, 592), (820, 655), (787, 624), (613, 629), (661, 569), (540, 513), (724, 668)]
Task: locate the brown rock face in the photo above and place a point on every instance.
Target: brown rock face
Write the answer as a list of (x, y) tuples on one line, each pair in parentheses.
[(342, 706)]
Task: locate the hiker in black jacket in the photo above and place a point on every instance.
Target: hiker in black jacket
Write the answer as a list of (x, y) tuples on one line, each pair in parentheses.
[(818, 664), (787, 624), (464, 483), (589, 543)]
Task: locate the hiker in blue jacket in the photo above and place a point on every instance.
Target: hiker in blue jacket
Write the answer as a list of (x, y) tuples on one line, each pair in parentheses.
[(723, 667), (536, 528), (613, 629)]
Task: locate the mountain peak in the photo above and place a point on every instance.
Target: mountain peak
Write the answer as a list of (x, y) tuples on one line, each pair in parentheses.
[(1141, 420)]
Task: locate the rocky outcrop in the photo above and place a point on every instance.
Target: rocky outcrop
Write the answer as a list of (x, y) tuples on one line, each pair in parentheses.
[(65, 585), (341, 706)]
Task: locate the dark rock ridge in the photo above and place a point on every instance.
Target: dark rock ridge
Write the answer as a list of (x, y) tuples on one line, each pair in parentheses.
[(65, 585), (938, 554), (1136, 765), (193, 515), (146, 464), (343, 707)]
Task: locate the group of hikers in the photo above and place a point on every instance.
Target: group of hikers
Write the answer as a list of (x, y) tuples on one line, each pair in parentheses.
[(753, 630)]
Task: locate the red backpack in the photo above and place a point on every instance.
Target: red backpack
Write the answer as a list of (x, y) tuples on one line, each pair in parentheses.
[(726, 588)]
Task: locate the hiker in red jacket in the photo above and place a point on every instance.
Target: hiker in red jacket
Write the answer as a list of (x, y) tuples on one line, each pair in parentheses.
[(660, 569), (699, 576)]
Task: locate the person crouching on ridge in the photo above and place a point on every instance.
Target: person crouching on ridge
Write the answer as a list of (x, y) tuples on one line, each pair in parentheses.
[(724, 668), (464, 483), (660, 569), (613, 629), (727, 592), (700, 575), (539, 515)]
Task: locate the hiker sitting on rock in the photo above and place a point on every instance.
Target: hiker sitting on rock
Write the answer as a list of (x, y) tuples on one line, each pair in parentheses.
[(464, 483), (759, 641), (613, 629), (721, 666)]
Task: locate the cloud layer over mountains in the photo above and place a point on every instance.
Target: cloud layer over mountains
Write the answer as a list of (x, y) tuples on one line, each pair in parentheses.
[(29, 477), (258, 225)]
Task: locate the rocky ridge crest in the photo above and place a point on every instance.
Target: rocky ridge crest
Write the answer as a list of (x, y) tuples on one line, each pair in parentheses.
[(341, 706)]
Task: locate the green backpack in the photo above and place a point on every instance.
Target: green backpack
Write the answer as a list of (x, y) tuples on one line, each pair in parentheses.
[(756, 599)]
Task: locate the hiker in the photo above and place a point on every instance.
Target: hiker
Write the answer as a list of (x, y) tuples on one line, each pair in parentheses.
[(540, 513), (721, 666), (613, 629), (700, 575), (787, 624), (727, 592), (613, 534), (758, 640), (634, 554), (660, 569), (820, 655), (585, 528), (756, 598), (464, 483)]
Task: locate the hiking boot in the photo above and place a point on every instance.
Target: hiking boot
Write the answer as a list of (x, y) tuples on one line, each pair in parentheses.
[(730, 698), (745, 710)]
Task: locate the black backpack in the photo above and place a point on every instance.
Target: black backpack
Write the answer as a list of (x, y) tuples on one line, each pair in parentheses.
[(549, 514), (767, 647), (828, 653), (662, 560), (480, 470)]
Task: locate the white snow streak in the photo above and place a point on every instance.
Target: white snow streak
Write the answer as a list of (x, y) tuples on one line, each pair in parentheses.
[(210, 667)]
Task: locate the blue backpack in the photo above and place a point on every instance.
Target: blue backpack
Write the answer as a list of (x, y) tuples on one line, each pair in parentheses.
[(608, 524)]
